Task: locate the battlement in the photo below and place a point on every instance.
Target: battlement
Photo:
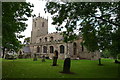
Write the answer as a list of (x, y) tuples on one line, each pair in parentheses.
[(54, 32), (35, 18)]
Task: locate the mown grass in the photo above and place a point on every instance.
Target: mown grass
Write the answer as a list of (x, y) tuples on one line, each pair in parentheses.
[(27, 68)]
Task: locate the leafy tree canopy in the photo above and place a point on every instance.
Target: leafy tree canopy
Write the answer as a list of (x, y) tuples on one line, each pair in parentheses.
[(27, 40), (98, 22), (14, 15)]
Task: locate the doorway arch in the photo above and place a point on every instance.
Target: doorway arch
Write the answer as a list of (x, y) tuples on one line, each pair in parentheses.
[(38, 49)]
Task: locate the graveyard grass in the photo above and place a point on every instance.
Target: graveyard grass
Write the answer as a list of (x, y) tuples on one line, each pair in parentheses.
[(27, 68)]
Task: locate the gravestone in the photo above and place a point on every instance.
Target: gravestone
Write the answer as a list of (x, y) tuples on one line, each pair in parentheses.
[(66, 67), (35, 57), (43, 58), (116, 61), (55, 58), (54, 61)]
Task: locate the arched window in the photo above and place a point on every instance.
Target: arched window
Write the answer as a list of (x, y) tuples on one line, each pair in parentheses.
[(45, 39), (40, 40), (44, 49), (38, 49), (51, 38), (62, 49)]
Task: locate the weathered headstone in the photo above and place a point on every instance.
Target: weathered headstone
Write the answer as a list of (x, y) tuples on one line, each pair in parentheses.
[(55, 58), (43, 58), (54, 61), (35, 57), (66, 67), (116, 61)]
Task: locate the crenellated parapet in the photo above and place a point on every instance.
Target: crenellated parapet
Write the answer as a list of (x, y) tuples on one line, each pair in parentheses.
[(39, 17)]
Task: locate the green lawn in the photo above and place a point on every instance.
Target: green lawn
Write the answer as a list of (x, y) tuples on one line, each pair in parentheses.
[(27, 68)]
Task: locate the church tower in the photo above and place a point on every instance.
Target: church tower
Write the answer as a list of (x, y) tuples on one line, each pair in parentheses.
[(39, 28)]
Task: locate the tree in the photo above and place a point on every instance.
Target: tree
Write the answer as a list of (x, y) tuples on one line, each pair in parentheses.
[(27, 40), (106, 54), (97, 22), (14, 15)]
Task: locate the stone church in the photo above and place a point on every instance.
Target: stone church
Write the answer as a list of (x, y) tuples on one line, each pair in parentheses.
[(44, 43)]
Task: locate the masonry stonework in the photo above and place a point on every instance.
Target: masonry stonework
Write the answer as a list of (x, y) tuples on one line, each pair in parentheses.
[(43, 43)]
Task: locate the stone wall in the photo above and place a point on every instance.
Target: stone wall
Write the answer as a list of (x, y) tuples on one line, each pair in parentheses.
[(40, 38), (39, 28)]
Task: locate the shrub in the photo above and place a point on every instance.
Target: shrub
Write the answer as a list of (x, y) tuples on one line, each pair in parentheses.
[(20, 56), (106, 54), (28, 56), (10, 57), (7, 56)]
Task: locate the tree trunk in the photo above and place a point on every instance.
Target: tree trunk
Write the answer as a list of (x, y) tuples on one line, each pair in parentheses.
[(3, 52), (99, 61), (67, 47), (67, 55)]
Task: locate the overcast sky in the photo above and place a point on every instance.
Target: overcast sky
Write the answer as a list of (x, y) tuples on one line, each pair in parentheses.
[(39, 6)]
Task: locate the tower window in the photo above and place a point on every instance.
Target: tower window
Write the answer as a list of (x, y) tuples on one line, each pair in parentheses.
[(51, 38), (40, 39), (43, 24), (45, 39), (35, 24)]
